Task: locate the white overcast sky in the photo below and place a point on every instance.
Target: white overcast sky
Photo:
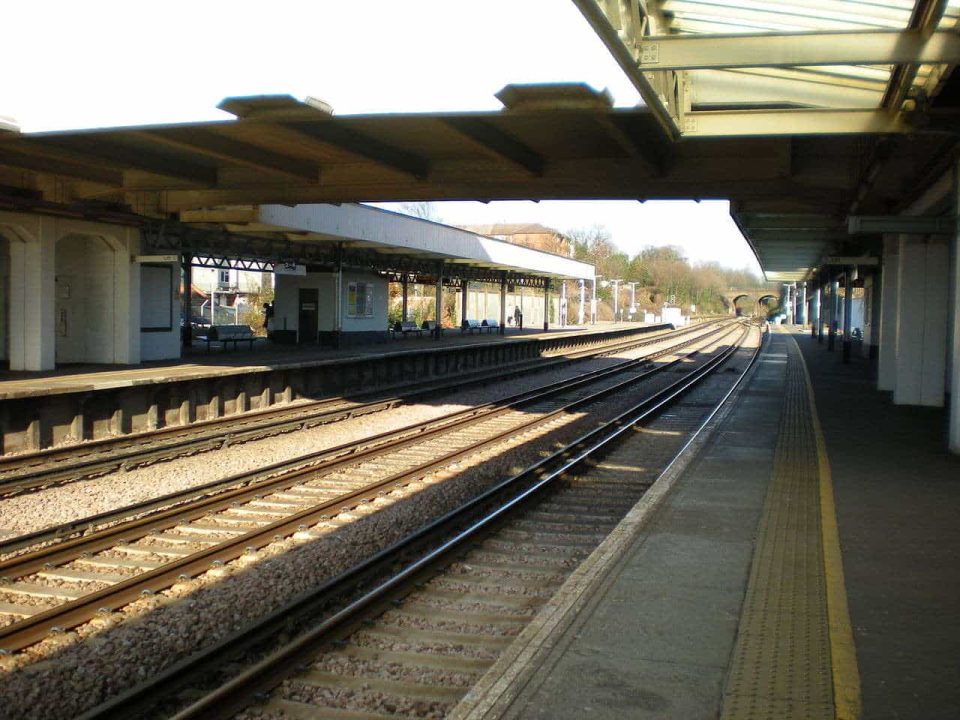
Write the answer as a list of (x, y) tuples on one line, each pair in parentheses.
[(95, 63)]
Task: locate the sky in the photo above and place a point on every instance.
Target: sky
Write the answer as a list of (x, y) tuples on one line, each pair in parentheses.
[(103, 63)]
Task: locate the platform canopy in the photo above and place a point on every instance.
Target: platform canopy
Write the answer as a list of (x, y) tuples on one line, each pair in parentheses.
[(801, 114), (359, 235)]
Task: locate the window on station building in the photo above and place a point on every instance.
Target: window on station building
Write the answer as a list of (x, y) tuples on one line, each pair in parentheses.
[(359, 299), (223, 278)]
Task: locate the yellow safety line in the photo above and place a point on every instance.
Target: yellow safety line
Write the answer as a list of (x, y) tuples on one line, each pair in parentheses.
[(843, 652)]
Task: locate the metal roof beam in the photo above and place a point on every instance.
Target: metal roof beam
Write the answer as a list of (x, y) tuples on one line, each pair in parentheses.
[(107, 153), (905, 224), (621, 25), (924, 18), (788, 49), (233, 151), (756, 123), (336, 135), (498, 142)]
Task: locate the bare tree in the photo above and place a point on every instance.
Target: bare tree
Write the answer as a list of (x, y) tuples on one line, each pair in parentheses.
[(422, 210)]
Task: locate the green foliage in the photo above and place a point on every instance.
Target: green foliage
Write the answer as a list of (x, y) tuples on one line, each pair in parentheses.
[(662, 273)]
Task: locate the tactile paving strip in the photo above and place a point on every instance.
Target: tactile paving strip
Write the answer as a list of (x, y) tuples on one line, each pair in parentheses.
[(781, 667)]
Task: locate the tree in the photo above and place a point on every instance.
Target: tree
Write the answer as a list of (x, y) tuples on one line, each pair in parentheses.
[(422, 210)]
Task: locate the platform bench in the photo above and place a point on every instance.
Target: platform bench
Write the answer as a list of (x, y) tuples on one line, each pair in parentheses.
[(470, 326), (490, 325), (225, 334), (405, 327), (429, 326)]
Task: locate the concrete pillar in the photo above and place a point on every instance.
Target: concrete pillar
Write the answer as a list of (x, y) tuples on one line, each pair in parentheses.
[(404, 288), (464, 285), (815, 312), (802, 305), (32, 325), (186, 312), (546, 304), (922, 322), (503, 305), (848, 278), (889, 297)]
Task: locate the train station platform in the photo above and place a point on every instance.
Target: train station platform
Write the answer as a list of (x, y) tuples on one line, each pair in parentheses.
[(89, 402), (803, 564)]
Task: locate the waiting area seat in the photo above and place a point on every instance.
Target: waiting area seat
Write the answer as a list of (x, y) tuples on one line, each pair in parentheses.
[(489, 325), (225, 334), (470, 326), (404, 327)]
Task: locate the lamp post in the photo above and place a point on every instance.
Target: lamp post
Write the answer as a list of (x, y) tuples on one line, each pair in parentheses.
[(616, 299), (593, 301)]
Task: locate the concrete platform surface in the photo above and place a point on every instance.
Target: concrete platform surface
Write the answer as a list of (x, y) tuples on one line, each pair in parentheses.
[(727, 599), (198, 363)]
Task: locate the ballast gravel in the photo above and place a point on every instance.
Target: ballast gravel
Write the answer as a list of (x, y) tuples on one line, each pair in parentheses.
[(118, 650)]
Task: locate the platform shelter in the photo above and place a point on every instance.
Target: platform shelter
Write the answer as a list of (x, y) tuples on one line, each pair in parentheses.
[(78, 291)]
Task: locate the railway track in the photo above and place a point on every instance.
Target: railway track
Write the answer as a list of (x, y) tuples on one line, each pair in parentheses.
[(407, 632), (88, 524), (66, 584), (33, 471)]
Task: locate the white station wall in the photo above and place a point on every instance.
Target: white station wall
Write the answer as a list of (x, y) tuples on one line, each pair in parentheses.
[(287, 293)]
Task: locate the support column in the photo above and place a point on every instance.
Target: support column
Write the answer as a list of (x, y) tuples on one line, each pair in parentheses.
[(404, 286), (464, 286), (503, 305), (953, 431), (32, 325), (338, 303), (848, 278), (593, 303), (889, 311), (802, 304), (438, 310), (563, 305), (186, 312), (922, 322), (834, 312), (546, 304), (583, 288), (815, 312)]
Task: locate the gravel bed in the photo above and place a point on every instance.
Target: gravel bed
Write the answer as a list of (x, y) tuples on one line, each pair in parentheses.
[(52, 506), (363, 639), (368, 701), (425, 623), (162, 628), (355, 667)]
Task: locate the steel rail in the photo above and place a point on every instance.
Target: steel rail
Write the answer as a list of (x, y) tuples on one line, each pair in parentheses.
[(34, 471), (69, 614), (230, 697), (316, 460)]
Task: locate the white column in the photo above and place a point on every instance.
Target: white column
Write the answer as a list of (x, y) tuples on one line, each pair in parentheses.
[(922, 322), (815, 310), (802, 305), (31, 307), (889, 296)]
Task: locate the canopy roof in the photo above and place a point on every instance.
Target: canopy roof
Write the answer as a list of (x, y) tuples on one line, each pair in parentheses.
[(847, 109)]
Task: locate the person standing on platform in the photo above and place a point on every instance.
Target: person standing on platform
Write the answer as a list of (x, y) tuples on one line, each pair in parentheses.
[(518, 317)]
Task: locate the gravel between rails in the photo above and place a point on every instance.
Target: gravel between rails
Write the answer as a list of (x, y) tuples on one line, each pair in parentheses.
[(68, 673), (35, 511)]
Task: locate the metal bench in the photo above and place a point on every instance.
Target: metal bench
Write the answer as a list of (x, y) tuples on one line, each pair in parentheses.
[(490, 326), (430, 326), (404, 327), (227, 334), (470, 326)]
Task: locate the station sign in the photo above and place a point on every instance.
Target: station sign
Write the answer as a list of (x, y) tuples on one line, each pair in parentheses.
[(289, 269), (156, 258)]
